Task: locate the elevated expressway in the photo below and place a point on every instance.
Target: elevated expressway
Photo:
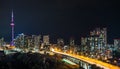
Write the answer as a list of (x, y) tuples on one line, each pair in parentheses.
[(90, 61)]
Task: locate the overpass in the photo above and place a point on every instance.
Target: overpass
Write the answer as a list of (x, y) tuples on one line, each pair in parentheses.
[(85, 62)]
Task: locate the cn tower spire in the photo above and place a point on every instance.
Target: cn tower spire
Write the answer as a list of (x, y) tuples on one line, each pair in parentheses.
[(12, 25), (12, 17)]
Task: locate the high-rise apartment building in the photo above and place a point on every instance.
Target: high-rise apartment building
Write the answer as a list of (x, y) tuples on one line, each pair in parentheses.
[(36, 39), (60, 42), (116, 44), (46, 40), (20, 41), (72, 42), (96, 42), (98, 38), (2, 42)]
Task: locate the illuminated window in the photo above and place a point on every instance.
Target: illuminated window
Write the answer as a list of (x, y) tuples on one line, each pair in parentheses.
[(96, 39)]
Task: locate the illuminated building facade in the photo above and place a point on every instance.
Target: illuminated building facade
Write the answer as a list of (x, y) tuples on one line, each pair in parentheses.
[(84, 43), (36, 41), (98, 39), (72, 42), (28, 42), (60, 42), (117, 44), (20, 41), (46, 40), (96, 42), (2, 42)]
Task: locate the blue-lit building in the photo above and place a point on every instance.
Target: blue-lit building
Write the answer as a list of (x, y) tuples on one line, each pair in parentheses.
[(20, 41)]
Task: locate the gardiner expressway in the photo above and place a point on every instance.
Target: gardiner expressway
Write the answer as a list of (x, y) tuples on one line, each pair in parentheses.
[(89, 60)]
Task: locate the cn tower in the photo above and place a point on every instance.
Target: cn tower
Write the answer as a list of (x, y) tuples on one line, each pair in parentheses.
[(12, 25)]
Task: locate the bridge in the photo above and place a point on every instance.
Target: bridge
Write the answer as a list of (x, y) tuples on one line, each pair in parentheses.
[(86, 62)]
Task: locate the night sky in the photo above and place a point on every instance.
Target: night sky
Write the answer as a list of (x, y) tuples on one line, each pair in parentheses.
[(60, 18)]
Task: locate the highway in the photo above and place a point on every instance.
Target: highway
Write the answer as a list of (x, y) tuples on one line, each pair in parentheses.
[(90, 60)]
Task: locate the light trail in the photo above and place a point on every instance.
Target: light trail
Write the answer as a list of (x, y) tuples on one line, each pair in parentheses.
[(68, 61), (90, 60)]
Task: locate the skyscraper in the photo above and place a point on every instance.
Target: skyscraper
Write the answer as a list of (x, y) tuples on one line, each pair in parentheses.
[(19, 41), (101, 33), (12, 25), (46, 39), (117, 44), (36, 41), (99, 37), (96, 42), (72, 41)]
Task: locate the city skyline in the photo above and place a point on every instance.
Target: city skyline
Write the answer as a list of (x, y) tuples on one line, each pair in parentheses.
[(59, 34), (59, 18)]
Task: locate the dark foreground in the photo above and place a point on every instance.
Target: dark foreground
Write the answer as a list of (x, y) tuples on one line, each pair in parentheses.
[(31, 61)]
